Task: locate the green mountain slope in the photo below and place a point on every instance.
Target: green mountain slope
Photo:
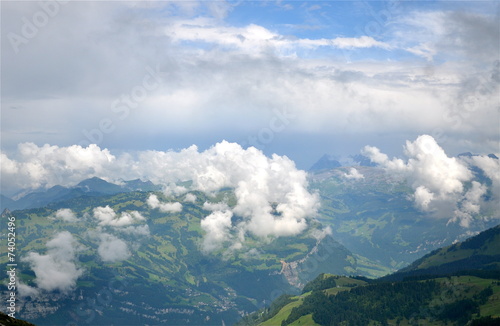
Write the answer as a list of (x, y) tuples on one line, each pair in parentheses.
[(154, 270), (466, 296)]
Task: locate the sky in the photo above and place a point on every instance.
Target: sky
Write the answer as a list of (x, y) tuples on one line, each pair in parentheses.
[(296, 78)]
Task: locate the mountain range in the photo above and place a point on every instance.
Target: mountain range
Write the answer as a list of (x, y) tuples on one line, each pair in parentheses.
[(130, 254), (89, 187)]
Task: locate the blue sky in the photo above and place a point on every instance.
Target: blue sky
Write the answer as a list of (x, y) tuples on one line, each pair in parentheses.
[(345, 73)]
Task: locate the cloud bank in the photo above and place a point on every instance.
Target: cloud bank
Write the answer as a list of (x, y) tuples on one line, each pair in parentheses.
[(271, 193)]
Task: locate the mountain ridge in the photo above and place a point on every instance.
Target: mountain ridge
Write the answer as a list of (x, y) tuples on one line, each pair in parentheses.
[(89, 187)]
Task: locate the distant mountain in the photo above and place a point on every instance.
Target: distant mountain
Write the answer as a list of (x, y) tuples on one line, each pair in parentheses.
[(100, 186), (325, 162), (6, 202), (135, 265), (139, 185), (466, 294), (89, 187), (362, 160), (328, 162)]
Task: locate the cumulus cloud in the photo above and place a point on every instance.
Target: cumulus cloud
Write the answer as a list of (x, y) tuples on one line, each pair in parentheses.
[(353, 174), (66, 215), (217, 227), (470, 205), (47, 165), (107, 216), (423, 197), (190, 198), (57, 269), (112, 248), (154, 202), (442, 185)]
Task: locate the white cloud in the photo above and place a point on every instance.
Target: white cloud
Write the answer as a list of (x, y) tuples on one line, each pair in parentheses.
[(258, 40), (66, 215), (423, 197), (47, 165), (360, 42), (490, 166), (57, 269), (217, 227), (26, 290), (112, 248), (154, 202), (353, 174), (190, 198), (470, 205), (107, 216)]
